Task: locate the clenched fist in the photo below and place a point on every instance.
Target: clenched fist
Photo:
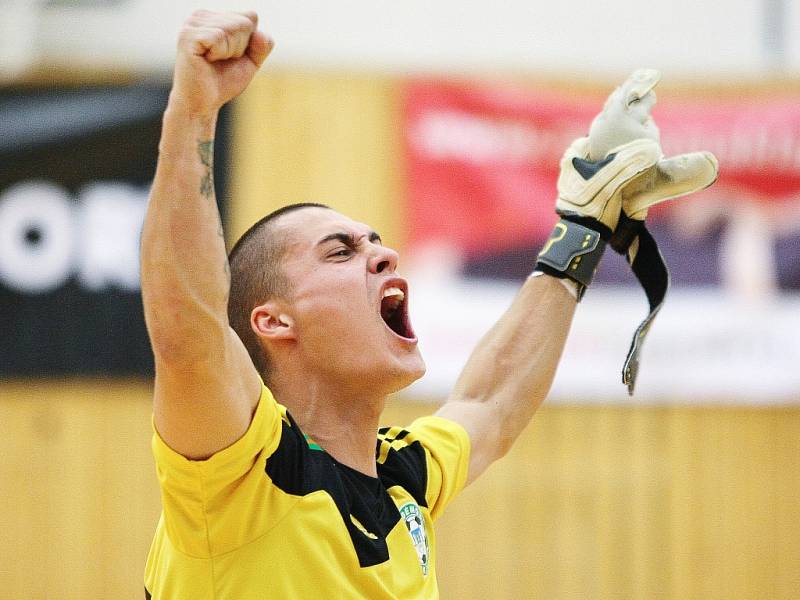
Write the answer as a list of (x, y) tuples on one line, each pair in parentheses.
[(218, 55)]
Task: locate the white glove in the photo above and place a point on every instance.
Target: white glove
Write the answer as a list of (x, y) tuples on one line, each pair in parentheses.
[(626, 120), (594, 189), (626, 117)]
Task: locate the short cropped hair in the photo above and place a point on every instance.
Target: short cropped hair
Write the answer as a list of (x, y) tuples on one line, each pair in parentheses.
[(256, 277)]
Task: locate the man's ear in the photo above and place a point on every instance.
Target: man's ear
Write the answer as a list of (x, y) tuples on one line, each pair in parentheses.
[(270, 322)]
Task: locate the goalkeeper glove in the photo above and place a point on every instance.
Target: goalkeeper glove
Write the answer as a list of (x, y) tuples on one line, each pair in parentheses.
[(589, 203), (607, 183), (626, 116)]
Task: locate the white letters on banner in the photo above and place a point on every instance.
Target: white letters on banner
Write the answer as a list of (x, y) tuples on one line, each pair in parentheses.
[(46, 238), (36, 237), (111, 221)]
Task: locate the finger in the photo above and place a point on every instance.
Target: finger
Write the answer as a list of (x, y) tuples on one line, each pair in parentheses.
[(220, 49), (239, 42), (259, 47), (240, 28), (626, 114), (615, 127), (671, 178), (640, 109), (236, 28), (203, 40), (639, 85), (252, 16), (634, 89)]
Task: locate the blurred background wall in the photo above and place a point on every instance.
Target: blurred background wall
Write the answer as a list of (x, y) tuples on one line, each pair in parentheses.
[(673, 494)]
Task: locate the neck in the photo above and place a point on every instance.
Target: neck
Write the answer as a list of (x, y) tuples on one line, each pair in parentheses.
[(344, 424)]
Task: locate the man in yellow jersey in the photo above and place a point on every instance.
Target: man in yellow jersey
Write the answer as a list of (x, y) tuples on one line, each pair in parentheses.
[(273, 365)]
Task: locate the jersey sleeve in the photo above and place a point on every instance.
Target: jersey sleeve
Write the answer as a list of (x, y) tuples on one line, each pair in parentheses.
[(447, 450), (205, 502)]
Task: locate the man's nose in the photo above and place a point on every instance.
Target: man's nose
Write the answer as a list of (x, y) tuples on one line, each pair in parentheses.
[(383, 259)]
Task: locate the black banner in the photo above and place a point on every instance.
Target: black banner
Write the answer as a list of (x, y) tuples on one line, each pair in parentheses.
[(75, 170)]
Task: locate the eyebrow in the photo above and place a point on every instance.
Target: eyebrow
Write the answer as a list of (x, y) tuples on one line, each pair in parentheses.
[(348, 239)]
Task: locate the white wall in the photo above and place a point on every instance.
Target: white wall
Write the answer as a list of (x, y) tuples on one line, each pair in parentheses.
[(604, 38)]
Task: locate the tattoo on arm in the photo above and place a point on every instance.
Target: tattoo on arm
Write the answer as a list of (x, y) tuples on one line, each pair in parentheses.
[(206, 152)]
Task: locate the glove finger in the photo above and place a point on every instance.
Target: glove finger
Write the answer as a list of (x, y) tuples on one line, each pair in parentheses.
[(640, 83), (625, 115), (670, 178)]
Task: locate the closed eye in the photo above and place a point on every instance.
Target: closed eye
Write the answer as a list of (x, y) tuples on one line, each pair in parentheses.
[(341, 253)]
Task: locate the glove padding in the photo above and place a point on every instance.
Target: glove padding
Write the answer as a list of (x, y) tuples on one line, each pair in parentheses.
[(625, 120), (594, 189)]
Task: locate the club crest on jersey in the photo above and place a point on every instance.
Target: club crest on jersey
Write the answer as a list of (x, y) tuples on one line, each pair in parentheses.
[(415, 523)]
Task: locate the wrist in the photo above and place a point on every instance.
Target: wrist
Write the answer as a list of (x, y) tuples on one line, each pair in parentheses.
[(568, 284), (182, 130), (188, 114), (573, 251)]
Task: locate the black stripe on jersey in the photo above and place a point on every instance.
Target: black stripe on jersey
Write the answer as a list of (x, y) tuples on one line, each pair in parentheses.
[(384, 430), (405, 467), (298, 470), (147, 595)]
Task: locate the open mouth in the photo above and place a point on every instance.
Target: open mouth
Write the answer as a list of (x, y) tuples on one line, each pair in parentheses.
[(394, 311)]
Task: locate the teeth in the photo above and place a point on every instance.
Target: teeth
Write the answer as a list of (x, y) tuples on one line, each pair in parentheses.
[(393, 291)]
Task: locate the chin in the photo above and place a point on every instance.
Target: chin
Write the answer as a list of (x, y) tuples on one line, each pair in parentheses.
[(420, 371), (410, 372)]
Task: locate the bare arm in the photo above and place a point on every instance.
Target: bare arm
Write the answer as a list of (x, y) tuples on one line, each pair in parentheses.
[(618, 169), (510, 372), (206, 386)]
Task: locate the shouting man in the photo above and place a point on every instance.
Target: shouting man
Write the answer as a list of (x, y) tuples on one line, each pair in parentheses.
[(273, 364)]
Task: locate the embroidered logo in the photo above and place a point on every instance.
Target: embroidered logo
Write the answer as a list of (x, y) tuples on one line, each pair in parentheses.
[(415, 524)]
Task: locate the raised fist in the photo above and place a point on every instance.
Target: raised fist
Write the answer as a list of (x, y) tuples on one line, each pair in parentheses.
[(218, 55)]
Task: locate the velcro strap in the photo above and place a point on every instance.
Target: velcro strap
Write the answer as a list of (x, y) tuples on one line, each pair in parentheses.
[(573, 251), (649, 267)]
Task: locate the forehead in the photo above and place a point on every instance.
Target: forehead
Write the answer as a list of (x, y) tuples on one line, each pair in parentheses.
[(304, 228)]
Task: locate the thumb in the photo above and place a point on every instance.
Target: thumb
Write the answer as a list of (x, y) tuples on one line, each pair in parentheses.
[(259, 47), (669, 178)]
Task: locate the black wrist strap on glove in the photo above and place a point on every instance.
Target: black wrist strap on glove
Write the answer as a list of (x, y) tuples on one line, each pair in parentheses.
[(574, 250), (634, 241)]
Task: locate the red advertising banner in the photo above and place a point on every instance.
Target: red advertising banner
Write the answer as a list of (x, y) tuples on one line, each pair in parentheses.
[(483, 159), (482, 166)]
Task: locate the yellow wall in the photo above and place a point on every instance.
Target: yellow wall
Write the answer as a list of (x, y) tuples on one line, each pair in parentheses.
[(78, 494), (319, 138), (608, 502), (594, 502)]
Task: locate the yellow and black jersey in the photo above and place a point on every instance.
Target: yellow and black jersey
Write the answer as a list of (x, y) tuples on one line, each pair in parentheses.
[(275, 516)]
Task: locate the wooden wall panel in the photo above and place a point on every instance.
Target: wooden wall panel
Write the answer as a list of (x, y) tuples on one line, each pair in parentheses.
[(593, 502), (318, 138), (79, 496), (624, 502)]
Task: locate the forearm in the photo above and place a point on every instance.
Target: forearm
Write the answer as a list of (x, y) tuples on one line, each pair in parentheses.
[(513, 366), (185, 274)]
